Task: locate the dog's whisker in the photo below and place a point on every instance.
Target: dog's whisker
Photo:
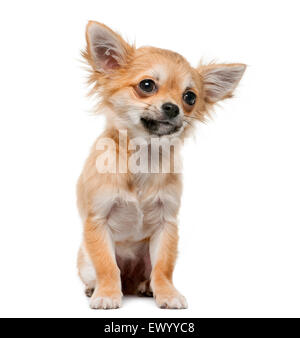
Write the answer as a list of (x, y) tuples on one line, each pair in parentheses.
[(191, 117), (187, 122)]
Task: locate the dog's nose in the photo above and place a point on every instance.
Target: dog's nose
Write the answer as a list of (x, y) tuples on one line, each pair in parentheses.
[(170, 109)]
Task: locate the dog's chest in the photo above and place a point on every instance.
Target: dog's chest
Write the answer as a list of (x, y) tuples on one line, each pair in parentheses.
[(150, 205)]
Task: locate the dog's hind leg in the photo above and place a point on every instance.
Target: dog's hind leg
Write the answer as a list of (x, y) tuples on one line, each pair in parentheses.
[(86, 271), (144, 289)]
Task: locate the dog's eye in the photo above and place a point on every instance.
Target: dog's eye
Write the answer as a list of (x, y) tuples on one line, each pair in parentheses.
[(189, 98), (147, 86)]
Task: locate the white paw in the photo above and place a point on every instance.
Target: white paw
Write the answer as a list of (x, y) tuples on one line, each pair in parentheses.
[(105, 302), (171, 301), (144, 289)]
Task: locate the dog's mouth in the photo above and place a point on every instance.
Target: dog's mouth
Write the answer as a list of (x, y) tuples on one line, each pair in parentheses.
[(159, 127)]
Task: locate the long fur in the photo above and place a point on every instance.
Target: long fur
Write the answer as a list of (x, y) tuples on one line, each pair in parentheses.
[(130, 220)]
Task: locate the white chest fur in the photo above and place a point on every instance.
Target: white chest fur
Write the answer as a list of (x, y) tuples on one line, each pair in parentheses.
[(136, 215)]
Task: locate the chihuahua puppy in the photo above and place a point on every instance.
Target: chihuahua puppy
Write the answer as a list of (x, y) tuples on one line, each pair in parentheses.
[(130, 216)]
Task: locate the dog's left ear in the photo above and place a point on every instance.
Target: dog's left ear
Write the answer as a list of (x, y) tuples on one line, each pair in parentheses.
[(220, 80), (106, 50)]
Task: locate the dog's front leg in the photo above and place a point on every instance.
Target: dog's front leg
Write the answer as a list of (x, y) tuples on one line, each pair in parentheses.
[(98, 242), (163, 252)]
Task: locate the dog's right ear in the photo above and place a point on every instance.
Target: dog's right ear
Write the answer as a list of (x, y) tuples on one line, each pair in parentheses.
[(220, 80), (106, 50)]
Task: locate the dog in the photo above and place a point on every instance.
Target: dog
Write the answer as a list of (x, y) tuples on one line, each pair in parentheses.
[(129, 215)]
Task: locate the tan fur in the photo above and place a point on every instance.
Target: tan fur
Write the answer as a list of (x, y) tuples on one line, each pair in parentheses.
[(130, 220)]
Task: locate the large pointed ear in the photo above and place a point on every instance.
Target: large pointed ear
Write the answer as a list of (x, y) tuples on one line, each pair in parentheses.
[(106, 50), (220, 80)]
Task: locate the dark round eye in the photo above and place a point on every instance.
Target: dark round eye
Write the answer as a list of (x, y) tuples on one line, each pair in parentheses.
[(147, 86), (189, 98)]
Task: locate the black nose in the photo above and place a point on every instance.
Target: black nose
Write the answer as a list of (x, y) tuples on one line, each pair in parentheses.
[(170, 109)]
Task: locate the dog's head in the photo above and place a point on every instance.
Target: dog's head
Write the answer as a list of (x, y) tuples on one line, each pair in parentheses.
[(152, 91)]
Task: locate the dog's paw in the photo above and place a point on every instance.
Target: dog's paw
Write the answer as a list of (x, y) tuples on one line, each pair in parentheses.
[(105, 302), (144, 289), (171, 301), (89, 292)]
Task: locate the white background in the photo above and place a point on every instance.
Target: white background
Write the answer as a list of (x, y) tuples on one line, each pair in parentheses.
[(239, 222)]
